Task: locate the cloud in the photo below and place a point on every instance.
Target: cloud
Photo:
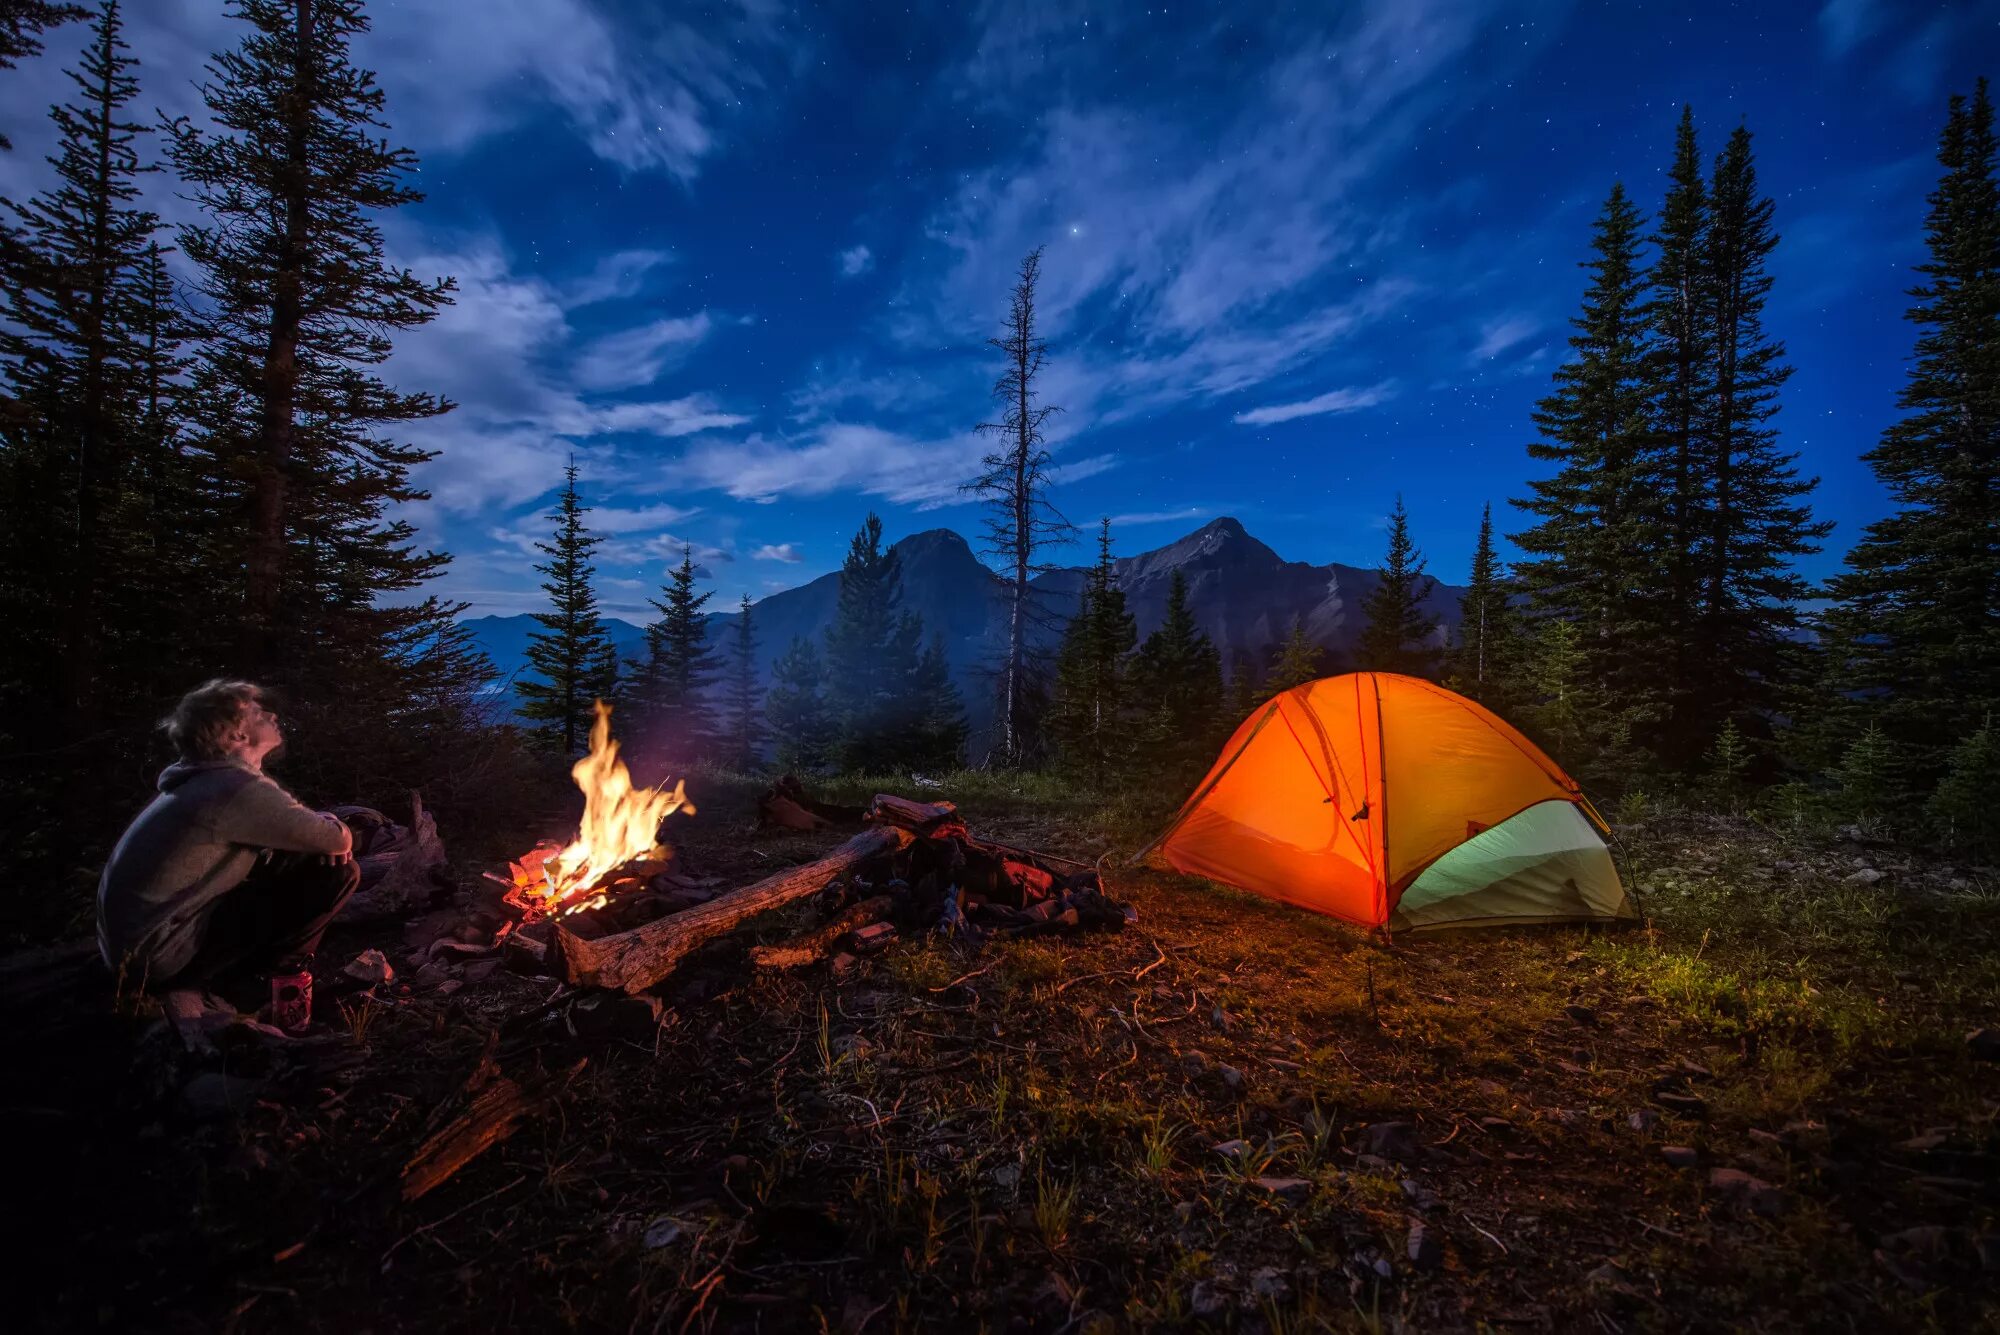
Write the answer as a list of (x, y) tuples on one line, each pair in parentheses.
[(837, 457), (783, 551), (615, 277), (635, 358), (1845, 24), (1333, 401), (612, 519), (1496, 336), (1158, 516), (856, 260)]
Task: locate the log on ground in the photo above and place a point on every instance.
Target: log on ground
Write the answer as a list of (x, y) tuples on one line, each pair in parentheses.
[(636, 960)]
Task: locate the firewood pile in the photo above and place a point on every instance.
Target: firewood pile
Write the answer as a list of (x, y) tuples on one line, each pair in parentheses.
[(912, 867)]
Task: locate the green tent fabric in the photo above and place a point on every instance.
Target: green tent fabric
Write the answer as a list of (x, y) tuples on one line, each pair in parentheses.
[(1544, 865)]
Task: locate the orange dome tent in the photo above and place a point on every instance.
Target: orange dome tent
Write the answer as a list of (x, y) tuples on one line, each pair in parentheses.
[(1389, 801)]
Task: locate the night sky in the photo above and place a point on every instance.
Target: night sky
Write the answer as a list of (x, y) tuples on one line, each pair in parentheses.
[(744, 265)]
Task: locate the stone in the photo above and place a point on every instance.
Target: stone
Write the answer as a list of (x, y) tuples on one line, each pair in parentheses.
[(1222, 1019), (1007, 1176), (370, 968), (1291, 1190), (1583, 1015), (842, 966), (1679, 1156), (1396, 1141), (1866, 876), (1194, 1063), (663, 1232), (1230, 1076), (1741, 1188), (1271, 1284), (1643, 1121), (1424, 1247), (1690, 1105), (1207, 1300), (1230, 1149), (1419, 1195)]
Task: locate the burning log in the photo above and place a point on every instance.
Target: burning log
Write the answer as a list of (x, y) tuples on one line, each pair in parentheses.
[(636, 960)]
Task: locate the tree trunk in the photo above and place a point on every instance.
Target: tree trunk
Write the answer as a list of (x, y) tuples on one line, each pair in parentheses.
[(636, 960)]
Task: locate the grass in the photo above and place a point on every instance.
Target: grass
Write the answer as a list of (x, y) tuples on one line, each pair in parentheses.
[(1020, 1137)]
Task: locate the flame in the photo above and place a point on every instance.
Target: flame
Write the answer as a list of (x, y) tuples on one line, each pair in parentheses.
[(620, 824)]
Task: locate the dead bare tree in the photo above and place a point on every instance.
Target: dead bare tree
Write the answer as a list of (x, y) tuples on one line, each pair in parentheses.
[(1021, 521)]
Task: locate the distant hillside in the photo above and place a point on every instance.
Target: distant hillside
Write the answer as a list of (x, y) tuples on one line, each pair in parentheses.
[(1245, 597)]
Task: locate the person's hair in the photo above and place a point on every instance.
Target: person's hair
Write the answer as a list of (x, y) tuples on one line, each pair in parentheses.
[(205, 715)]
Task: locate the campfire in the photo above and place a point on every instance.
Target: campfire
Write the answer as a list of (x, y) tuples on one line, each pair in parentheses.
[(617, 843)]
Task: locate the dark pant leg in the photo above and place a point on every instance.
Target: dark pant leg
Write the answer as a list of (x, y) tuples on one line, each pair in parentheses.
[(278, 914)]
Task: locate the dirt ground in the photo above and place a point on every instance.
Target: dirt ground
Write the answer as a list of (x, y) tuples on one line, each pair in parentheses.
[(1759, 1110)]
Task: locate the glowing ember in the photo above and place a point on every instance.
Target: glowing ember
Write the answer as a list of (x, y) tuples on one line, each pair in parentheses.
[(621, 825)]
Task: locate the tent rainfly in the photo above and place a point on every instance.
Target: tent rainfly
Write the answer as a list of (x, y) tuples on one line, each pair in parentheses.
[(1391, 802)]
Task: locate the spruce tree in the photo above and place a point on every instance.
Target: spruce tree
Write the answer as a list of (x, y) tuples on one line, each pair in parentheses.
[(939, 733), (1486, 658), (1021, 520), (1090, 717), (671, 689), (871, 650), (1397, 636), (796, 708), (1682, 312), (571, 657), (1755, 522), (746, 697), (22, 23), (304, 309), (1962, 806), (1298, 662), (1177, 678), (73, 345), (1243, 692), (1867, 780), (1567, 711), (1918, 612), (1592, 556)]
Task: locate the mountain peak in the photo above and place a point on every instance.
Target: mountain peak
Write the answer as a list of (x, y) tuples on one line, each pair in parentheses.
[(1221, 541)]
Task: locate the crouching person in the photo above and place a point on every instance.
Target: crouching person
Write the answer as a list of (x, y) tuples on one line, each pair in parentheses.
[(225, 877)]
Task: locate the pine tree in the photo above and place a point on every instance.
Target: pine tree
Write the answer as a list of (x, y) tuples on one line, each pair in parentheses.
[(1177, 677), (1728, 763), (1681, 313), (1593, 554), (1298, 662), (304, 308), (1918, 608), (1243, 692), (871, 650), (1866, 781), (671, 688), (746, 698), (1755, 522), (1021, 520), (1398, 635), (72, 343), (1567, 711), (22, 23), (1090, 717), (1486, 658), (571, 655), (1962, 807), (795, 707), (938, 737)]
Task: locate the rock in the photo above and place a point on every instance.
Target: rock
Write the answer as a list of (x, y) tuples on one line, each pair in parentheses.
[(212, 1094), (1207, 1300), (197, 1018), (1396, 1141), (1643, 1121), (1230, 1077), (663, 1232), (370, 968), (449, 986), (1382, 1267), (842, 966), (1419, 1195), (1493, 1089), (1184, 1210), (1866, 876), (1741, 1188), (1194, 1063), (1222, 1019), (1425, 1248), (1230, 1149), (1007, 1177), (1291, 1190), (1583, 1015), (1271, 1284), (1679, 1156), (873, 937), (1373, 1163), (1688, 1105), (1984, 1045)]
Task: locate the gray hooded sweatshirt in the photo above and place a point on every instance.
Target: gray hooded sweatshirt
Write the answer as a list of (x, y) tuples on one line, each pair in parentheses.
[(197, 841)]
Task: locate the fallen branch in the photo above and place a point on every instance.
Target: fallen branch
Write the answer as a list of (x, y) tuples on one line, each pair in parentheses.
[(491, 1118), (817, 944), (639, 959)]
